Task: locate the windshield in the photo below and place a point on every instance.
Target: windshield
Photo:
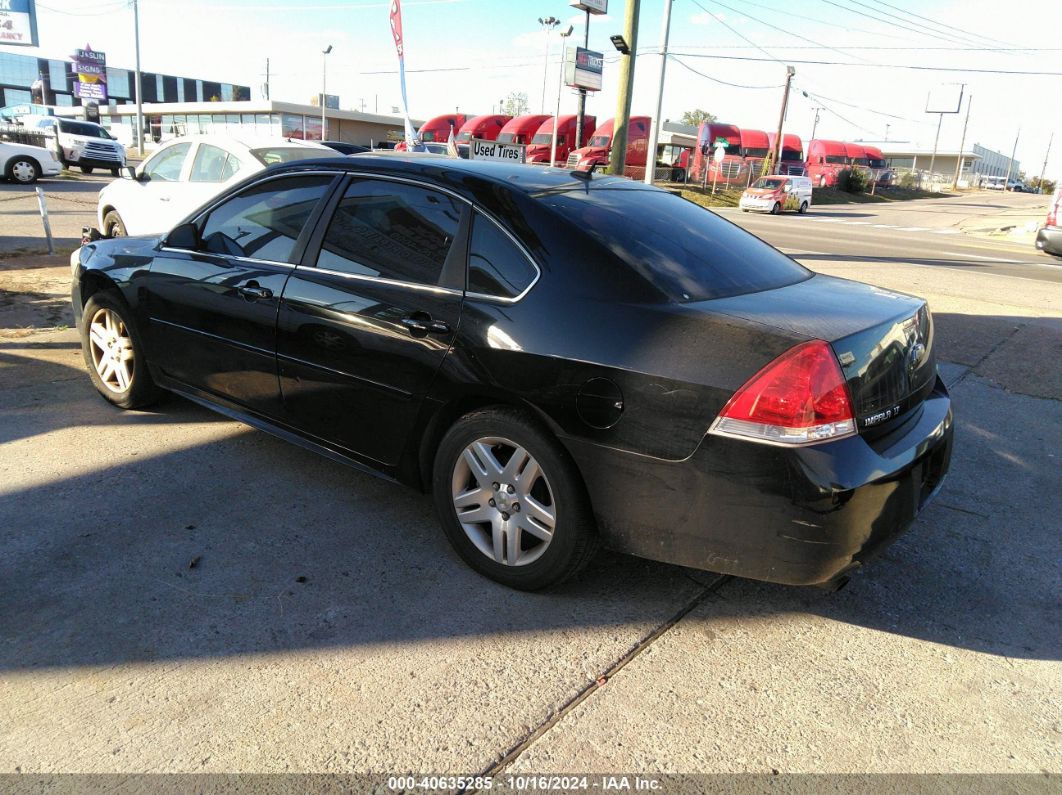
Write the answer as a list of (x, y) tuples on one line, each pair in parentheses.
[(751, 152), (769, 183), (464, 138), (506, 138), (286, 154), (839, 159), (83, 128), (874, 162), (680, 250), (601, 140)]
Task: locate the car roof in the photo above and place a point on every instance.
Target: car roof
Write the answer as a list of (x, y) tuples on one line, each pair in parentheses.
[(443, 169), (246, 142)]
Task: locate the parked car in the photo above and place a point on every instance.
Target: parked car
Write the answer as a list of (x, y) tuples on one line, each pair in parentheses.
[(543, 353), (777, 193), (345, 148), (84, 144), (184, 173), (1049, 237), (24, 164)]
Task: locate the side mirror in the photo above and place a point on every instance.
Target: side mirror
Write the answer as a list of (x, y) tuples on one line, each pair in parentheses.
[(185, 236), (127, 172)]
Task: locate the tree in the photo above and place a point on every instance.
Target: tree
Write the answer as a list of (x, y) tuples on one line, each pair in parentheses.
[(515, 104), (694, 117)]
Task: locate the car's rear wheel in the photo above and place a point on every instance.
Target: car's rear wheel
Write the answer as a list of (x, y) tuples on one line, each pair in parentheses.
[(803, 207), (114, 353), (822, 181), (86, 169), (23, 170), (776, 209), (113, 225), (511, 500), (115, 172)]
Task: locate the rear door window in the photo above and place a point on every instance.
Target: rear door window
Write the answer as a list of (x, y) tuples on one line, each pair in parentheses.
[(265, 221), (681, 250), (213, 164), (496, 265)]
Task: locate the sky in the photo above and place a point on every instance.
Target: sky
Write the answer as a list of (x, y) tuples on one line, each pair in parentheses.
[(469, 54)]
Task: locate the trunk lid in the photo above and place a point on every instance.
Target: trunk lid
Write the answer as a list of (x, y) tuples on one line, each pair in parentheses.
[(882, 339)]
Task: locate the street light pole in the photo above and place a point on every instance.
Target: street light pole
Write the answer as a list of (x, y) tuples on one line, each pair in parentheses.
[(324, 88), (654, 131), (581, 116), (139, 99), (548, 24), (560, 89)]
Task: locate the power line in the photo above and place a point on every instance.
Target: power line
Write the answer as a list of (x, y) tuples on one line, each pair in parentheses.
[(716, 79), (790, 14), (963, 39), (915, 67), (820, 98), (739, 35), (940, 24), (929, 34), (870, 47)]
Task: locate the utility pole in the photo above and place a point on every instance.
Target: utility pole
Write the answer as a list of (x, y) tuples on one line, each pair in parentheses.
[(618, 156), (1010, 163), (654, 132), (1040, 182), (776, 155), (324, 88), (581, 113), (560, 90), (933, 159), (548, 24), (267, 79), (962, 143), (139, 99), (815, 124), (887, 126)]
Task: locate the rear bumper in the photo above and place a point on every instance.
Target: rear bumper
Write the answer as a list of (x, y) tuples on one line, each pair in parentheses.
[(801, 516), (1049, 239)]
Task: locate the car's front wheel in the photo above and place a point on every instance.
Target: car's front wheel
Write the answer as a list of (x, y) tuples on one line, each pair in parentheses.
[(776, 209), (114, 353), (113, 225), (511, 500), (803, 207), (86, 169), (23, 170)]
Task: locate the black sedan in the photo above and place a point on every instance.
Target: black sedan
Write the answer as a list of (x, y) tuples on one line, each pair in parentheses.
[(563, 360)]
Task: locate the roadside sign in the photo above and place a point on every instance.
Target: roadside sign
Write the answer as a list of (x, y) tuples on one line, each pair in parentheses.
[(493, 150), (593, 6), (720, 153), (721, 142), (18, 23), (582, 68)]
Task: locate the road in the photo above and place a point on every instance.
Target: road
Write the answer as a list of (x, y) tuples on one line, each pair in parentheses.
[(181, 593)]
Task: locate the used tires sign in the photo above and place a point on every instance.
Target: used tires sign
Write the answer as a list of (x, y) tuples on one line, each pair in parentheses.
[(492, 150)]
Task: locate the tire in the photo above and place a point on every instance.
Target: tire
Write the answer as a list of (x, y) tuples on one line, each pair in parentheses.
[(23, 170), (822, 181), (803, 208), (535, 556), (113, 225), (106, 329), (115, 172), (776, 209), (86, 169)]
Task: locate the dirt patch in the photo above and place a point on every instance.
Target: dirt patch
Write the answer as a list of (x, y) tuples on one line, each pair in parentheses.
[(34, 296)]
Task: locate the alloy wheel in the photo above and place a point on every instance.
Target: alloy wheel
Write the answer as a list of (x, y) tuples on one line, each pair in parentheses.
[(112, 350), (503, 501)]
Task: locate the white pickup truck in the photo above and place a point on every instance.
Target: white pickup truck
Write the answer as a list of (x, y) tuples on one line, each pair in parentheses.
[(84, 144)]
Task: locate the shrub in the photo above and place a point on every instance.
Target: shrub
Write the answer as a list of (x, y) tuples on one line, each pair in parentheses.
[(852, 180), (909, 180)]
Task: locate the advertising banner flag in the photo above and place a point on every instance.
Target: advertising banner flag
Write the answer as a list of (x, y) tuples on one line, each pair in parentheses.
[(396, 30)]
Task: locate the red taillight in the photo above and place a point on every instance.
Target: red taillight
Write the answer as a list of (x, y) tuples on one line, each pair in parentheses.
[(1052, 217), (799, 398)]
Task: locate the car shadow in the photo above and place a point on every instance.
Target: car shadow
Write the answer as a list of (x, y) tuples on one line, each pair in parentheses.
[(163, 538)]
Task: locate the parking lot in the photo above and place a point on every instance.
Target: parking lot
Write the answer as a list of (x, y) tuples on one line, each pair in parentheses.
[(184, 594)]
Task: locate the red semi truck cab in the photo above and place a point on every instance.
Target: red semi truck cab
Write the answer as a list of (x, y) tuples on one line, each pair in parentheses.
[(542, 143), (792, 160), (437, 129), (485, 128), (704, 166), (825, 159), (877, 163), (755, 145), (522, 129), (596, 152)]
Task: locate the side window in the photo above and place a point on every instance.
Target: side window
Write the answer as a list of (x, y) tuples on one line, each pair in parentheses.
[(213, 164), (391, 230), (166, 165), (265, 220), (496, 267)]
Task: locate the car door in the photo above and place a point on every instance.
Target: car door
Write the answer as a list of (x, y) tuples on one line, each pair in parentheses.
[(369, 314), (213, 309), (148, 207), (212, 167)]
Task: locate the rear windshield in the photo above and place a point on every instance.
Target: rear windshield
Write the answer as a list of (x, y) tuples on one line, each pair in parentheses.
[(82, 128), (285, 154), (683, 251)]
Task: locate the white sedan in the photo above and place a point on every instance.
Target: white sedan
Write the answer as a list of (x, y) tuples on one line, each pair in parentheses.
[(185, 173), (23, 163)]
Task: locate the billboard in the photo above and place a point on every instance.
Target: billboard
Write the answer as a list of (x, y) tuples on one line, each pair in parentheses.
[(331, 101), (90, 71), (582, 68), (18, 23), (946, 98), (593, 6)]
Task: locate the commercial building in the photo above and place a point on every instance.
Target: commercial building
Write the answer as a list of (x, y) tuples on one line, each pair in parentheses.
[(977, 161), (18, 73), (261, 118)]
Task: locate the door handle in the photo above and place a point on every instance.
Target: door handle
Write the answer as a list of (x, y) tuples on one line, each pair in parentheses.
[(420, 324), (255, 292)]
